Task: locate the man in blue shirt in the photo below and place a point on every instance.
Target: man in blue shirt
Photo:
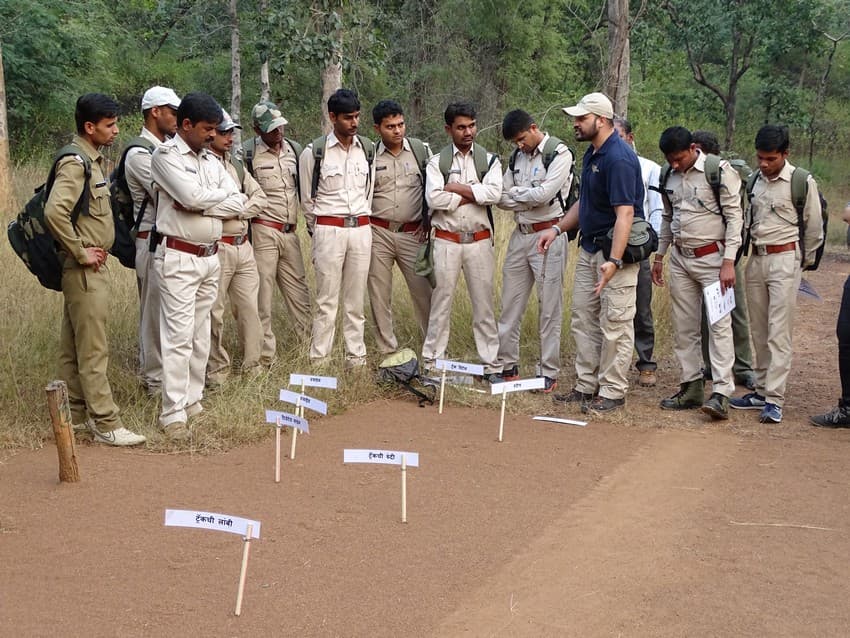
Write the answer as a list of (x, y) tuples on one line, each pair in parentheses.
[(603, 309)]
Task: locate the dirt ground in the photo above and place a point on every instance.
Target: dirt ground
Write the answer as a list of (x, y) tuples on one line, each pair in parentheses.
[(652, 524)]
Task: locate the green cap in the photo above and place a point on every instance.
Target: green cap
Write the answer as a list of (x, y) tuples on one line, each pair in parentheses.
[(267, 117)]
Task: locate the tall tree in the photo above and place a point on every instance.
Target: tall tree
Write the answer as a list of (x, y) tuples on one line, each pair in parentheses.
[(617, 72), (235, 70), (5, 190)]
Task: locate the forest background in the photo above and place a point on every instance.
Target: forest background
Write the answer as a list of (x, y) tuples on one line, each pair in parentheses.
[(724, 65)]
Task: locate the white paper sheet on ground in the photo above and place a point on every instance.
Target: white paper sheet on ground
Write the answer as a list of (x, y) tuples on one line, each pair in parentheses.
[(459, 366), (288, 420), (717, 304), (312, 381), (535, 383), (213, 521), (553, 419), (383, 457), (308, 402)]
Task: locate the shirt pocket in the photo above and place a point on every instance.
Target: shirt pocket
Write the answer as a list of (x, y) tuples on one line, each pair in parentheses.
[(412, 175), (332, 178), (268, 177), (358, 174), (99, 192)]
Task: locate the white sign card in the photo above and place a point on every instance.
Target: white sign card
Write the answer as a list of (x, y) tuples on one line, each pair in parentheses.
[(383, 457), (535, 383), (717, 304), (287, 419), (459, 366), (553, 419), (296, 398), (213, 521), (312, 381)]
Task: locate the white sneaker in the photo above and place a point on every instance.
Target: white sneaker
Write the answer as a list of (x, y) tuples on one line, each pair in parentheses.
[(121, 437)]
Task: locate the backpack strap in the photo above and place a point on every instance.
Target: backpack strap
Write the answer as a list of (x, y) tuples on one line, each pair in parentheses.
[(369, 150), (318, 156), (420, 153), (445, 163), (248, 149), (82, 205), (121, 172), (713, 176), (296, 148), (550, 150), (799, 194), (482, 167), (239, 165)]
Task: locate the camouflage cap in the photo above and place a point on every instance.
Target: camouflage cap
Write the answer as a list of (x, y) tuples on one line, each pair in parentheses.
[(267, 117)]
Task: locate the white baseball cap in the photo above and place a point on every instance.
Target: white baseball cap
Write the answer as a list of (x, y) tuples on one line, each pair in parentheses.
[(596, 103), (160, 96)]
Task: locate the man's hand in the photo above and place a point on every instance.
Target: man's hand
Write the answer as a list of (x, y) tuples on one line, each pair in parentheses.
[(727, 275), (545, 239), (95, 257), (606, 271), (658, 272)]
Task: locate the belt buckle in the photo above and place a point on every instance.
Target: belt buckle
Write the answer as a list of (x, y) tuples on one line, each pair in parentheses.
[(525, 229), (761, 251), (466, 237), (395, 227), (350, 222), (239, 240), (209, 250)]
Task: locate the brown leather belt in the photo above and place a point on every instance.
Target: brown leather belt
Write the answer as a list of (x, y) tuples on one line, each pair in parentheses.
[(143, 234), (702, 251), (775, 248), (528, 229), (198, 250), (234, 240), (343, 222), (396, 227), (462, 238), (279, 226)]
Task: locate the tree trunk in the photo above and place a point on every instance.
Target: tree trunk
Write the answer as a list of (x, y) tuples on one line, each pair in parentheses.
[(619, 58), (265, 85), (5, 182), (235, 72), (331, 81)]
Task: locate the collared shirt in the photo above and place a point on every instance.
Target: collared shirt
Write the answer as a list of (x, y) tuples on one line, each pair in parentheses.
[(774, 218), (610, 177), (345, 181), (398, 185), (257, 202), (198, 182), (694, 218), (276, 173), (531, 191), (94, 230), (446, 210), (653, 206), (137, 169)]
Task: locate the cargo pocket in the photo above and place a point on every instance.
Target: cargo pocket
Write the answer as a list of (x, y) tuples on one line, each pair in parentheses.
[(619, 303)]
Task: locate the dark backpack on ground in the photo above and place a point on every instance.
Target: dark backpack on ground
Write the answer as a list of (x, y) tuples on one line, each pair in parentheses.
[(482, 167), (29, 235), (319, 155), (126, 223), (799, 194), (402, 368)]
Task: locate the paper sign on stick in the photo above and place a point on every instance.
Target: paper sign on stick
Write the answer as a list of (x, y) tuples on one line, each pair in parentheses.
[(535, 383), (384, 457), (308, 402), (287, 419), (210, 520), (717, 304), (312, 381), (553, 419), (459, 366)]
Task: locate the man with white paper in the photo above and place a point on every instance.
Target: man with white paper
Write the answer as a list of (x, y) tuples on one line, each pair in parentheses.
[(702, 224)]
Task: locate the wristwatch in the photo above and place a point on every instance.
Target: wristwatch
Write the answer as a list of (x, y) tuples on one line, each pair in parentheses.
[(617, 262)]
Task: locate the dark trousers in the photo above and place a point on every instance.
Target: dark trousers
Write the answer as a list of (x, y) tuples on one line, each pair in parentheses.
[(842, 330), (644, 328)]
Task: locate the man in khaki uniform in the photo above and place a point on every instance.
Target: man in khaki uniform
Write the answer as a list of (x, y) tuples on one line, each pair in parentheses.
[(463, 238), (273, 161), (194, 193), (337, 216), (779, 249), (536, 195), (397, 224), (84, 346), (238, 280), (705, 236), (159, 109)]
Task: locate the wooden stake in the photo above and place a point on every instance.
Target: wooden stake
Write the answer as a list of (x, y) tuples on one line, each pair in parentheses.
[(244, 571), (60, 416), (442, 390), (299, 411), (403, 489), (277, 452), (502, 418)]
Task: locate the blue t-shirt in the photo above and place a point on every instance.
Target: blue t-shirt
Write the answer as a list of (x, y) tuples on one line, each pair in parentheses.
[(609, 177)]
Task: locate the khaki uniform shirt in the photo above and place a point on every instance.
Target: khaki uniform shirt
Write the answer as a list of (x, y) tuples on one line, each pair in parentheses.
[(199, 182), (345, 182), (774, 218), (257, 202), (531, 191), (446, 210), (276, 174), (693, 217), (398, 185), (94, 230), (137, 169)]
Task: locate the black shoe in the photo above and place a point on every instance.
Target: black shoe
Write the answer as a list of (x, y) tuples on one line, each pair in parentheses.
[(510, 373), (689, 396), (573, 397), (717, 406), (839, 417), (491, 378), (603, 404)]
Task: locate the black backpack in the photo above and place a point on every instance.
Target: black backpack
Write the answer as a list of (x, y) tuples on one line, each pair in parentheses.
[(126, 224), (402, 368), (28, 233)]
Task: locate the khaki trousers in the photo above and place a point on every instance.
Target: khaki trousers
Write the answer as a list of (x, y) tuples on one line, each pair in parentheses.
[(524, 267), (150, 359), (740, 329), (390, 248), (188, 288), (772, 283), (239, 282), (279, 260), (603, 327), (341, 260), (84, 347), (478, 262), (688, 277)]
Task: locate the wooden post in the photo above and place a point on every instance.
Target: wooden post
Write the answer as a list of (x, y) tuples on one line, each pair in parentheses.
[(243, 572), (60, 415)]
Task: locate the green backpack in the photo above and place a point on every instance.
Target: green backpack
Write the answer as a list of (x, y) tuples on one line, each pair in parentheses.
[(550, 152), (247, 160), (121, 200), (319, 154), (482, 167), (28, 233)]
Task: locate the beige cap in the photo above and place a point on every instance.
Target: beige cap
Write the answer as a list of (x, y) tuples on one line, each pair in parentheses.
[(596, 103), (227, 123), (160, 96)]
